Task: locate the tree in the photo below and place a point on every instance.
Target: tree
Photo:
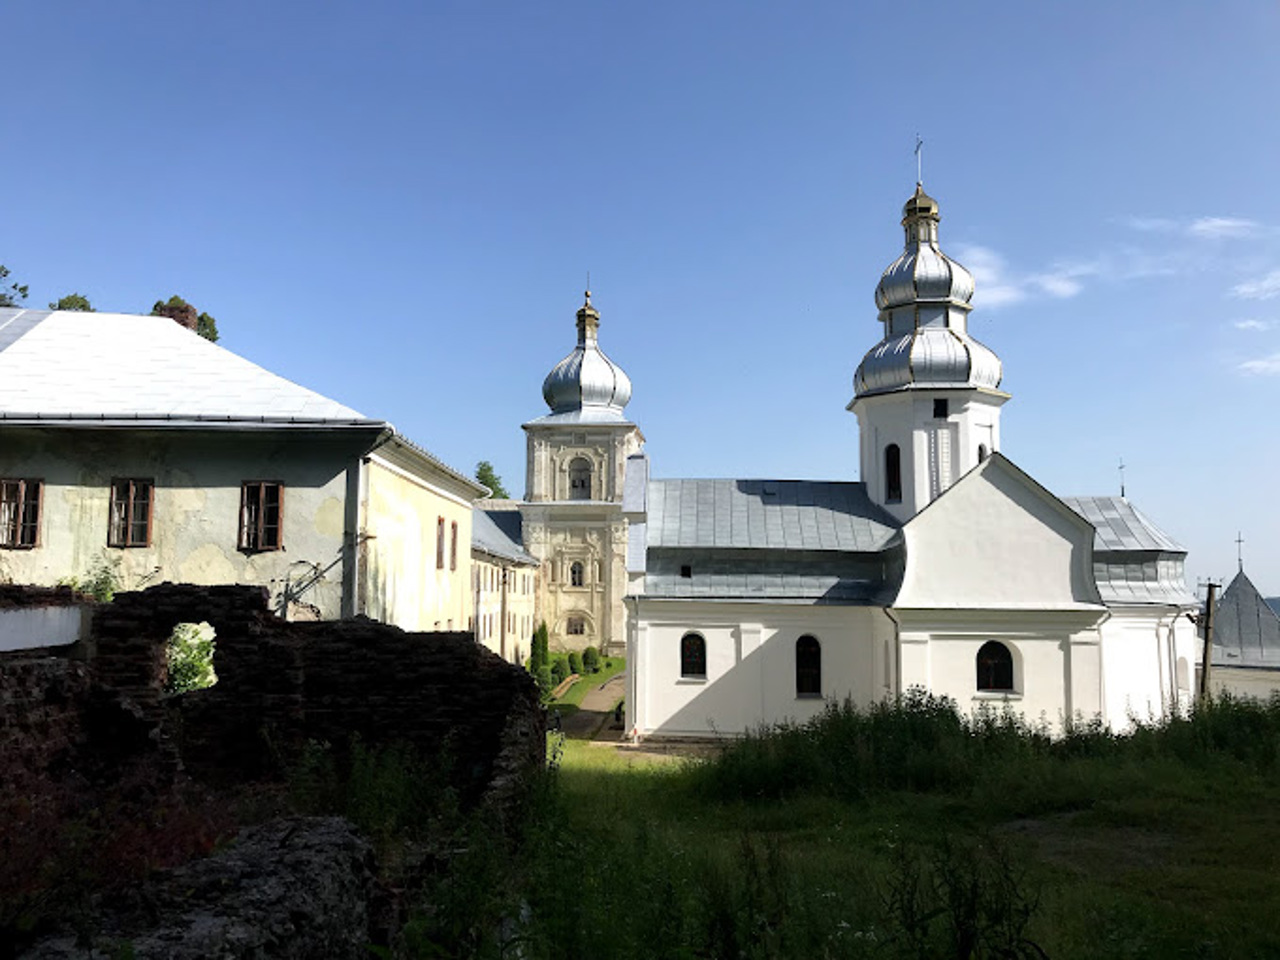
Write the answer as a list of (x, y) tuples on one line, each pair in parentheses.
[(10, 293), (178, 310), (73, 301), (485, 474)]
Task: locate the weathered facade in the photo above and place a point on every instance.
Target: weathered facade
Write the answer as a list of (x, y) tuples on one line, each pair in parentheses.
[(211, 470)]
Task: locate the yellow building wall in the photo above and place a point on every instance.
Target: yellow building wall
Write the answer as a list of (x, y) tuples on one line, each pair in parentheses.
[(509, 640), (402, 583)]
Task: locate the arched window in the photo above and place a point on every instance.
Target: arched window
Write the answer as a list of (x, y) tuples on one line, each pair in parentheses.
[(982, 452), (892, 474), (808, 667), (579, 479), (575, 627), (693, 656), (995, 666), (575, 574)]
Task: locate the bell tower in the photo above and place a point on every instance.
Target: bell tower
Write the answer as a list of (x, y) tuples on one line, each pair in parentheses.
[(572, 512), (927, 395)]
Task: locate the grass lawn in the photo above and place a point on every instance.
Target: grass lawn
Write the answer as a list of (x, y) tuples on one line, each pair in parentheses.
[(1161, 850), (573, 696)]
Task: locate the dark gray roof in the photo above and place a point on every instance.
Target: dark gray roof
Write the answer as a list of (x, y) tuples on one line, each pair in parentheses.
[(1246, 631), (498, 533), (1121, 526), (778, 576), (766, 515)]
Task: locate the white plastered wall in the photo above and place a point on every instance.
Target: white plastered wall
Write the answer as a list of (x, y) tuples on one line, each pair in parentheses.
[(750, 663)]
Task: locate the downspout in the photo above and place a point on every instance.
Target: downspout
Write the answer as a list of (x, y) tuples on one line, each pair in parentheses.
[(1102, 669), (502, 606)]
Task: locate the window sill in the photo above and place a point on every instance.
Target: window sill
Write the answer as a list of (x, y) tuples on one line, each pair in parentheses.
[(997, 695), (809, 696), (696, 681)]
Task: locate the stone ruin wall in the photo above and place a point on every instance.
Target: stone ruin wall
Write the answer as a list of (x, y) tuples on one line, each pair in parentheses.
[(280, 686)]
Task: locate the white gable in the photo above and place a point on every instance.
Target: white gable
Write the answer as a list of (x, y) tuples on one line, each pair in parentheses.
[(998, 540)]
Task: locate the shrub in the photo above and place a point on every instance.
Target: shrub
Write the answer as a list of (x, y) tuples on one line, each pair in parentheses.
[(575, 662), (591, 660), (559, 670), (538, 656), (544, 678)]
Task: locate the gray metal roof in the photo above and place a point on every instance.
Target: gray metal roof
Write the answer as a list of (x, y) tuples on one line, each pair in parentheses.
[(767, 515), (58, 366), (777, 576), (1246, 631), (1121, 526), (499, 534), (1141, 580)]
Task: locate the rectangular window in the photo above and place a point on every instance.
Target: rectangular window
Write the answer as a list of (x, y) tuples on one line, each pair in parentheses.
[(453, 545), (132, 502), (20, 513), (940, 411), (439, 543), (261, 515)]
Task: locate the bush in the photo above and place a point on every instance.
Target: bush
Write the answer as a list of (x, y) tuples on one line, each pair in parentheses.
[(575, 662), (538, 656), (545, 682), (591, 660), (559, 671)]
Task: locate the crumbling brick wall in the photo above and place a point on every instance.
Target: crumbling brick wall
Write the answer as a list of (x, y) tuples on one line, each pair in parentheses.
[(283, 684)]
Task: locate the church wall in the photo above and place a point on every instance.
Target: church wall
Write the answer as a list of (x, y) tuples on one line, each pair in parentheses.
[(1057, 661), (751, 678), (1245, 682), (993, 541), (1140, 659)]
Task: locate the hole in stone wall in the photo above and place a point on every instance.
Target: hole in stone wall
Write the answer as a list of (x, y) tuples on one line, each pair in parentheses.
[(190, 656)]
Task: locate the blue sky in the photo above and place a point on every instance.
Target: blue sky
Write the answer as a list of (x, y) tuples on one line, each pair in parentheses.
[(397, 204)]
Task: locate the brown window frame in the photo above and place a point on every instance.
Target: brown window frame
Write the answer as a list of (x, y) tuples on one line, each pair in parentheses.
[(254, 537), (453, 545), (575, 626), (439, 543), (20, 530), (123, 534)]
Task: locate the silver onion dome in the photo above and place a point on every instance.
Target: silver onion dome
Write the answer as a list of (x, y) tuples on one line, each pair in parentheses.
[(586, 380), (924, 303)]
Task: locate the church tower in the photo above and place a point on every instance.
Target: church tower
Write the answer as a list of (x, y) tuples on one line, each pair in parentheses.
[(572, 511), (926, 396)]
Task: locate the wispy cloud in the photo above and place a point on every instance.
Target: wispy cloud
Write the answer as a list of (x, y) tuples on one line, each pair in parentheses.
[(1267, 288), (1263, 366), (992, 285), (1220, 228), (1151, 224), (1258, 325)]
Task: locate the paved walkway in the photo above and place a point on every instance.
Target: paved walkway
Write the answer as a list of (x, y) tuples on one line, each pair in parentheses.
[(594, 719)]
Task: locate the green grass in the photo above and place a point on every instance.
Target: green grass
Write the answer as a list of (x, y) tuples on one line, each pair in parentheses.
[(573, 696), (898, 832)]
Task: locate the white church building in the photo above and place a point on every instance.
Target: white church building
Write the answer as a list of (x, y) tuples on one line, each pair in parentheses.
[(753, 601)]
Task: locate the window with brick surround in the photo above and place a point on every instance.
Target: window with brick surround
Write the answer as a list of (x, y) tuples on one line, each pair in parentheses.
[(439, 543), (261, 515), (20, 513), (132, 504), (453, 545)]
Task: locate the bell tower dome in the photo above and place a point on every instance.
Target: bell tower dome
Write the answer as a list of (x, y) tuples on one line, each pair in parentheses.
[(927, 395)]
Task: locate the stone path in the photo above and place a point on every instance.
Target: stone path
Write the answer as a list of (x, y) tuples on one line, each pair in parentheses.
[(594, 718)]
